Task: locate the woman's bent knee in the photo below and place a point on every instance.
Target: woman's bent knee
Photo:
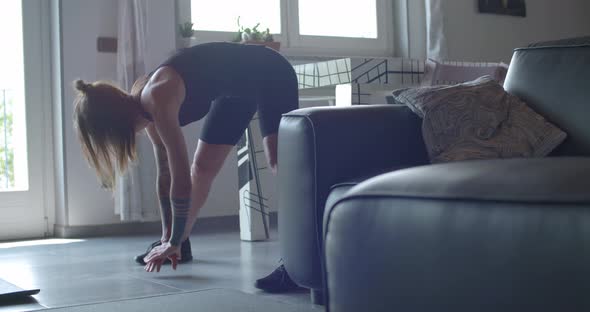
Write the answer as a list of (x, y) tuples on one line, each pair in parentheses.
[(201, 172)]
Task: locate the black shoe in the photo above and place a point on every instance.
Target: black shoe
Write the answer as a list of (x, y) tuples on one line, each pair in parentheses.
[(186, 253), (277, 282), (139, 258)]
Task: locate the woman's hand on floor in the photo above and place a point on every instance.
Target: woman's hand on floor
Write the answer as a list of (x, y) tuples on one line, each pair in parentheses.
[(159, 254)]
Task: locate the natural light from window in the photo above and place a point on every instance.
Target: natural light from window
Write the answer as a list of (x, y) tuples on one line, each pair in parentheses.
[(13, 147), (338, 18), (41, 242), (222, 15)]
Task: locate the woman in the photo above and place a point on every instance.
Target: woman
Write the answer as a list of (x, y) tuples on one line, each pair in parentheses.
[(227, 83)]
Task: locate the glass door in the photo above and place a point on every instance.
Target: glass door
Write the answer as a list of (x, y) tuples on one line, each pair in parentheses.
[(22, 131)]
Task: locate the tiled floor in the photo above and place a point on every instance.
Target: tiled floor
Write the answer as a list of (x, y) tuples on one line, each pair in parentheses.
[(102, 269)]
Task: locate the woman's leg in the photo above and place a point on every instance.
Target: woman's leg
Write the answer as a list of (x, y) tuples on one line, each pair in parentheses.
[(224, 125), (280, 94), (270, 151), (207, 163)]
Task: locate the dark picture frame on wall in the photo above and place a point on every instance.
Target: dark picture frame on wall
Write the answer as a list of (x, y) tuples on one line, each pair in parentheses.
[(503, 7)]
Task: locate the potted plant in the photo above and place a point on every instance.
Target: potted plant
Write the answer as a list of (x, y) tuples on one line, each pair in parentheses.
[(186, 32), (255, 36)]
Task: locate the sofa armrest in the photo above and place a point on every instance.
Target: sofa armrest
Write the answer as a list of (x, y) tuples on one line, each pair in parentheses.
[(322, 146), (347, 142)]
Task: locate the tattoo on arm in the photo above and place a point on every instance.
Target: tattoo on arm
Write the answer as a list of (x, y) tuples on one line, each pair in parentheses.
[(180, 207), (164, 179), (166, 211), (163, 186)]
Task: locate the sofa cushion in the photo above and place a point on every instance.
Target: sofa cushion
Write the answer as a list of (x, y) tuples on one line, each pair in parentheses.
[(339, 190), (542, 180), (479, 120), (486, 235)]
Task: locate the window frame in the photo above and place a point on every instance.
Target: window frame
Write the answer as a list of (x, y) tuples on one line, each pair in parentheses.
[(30, 212), (294, 44)]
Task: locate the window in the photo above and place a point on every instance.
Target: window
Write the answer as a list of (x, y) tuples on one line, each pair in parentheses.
[(24, 119), (13, 170), (332, 18), (227, 12), (304, 27)]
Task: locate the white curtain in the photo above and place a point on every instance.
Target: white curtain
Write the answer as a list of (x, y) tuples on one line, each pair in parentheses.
[(131, 47), (436, 42), (420, 31)]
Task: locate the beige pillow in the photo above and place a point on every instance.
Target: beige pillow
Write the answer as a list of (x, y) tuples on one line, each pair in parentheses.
[(447, 73), (478, 120)]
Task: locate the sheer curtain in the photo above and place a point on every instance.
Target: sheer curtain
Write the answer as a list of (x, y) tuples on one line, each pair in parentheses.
[(420, 30), (131, 49), (436, 41)]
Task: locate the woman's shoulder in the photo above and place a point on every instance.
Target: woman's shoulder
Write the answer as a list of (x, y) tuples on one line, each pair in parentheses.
[(164, 74), (164, 88)]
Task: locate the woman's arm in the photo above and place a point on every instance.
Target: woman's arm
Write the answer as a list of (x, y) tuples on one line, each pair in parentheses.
[(163, 181), (163, 97), (180, 187)]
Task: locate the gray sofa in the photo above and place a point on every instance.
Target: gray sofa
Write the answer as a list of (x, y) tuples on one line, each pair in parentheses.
[(404, 235)]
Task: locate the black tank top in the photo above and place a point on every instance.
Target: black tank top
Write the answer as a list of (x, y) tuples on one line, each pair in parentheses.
[(218, 69)]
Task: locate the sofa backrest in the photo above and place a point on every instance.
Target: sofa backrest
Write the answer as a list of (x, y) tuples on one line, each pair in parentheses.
[(555, 82)]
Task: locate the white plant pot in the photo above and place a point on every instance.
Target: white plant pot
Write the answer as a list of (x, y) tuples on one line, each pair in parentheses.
[(185, 42)]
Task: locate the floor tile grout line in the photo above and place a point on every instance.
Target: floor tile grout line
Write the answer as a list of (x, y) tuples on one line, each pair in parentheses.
[(133, 298), (169, 294), (157, 283), (174, 289)]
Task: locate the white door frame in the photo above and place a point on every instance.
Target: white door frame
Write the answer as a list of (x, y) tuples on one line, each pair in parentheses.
[(29, 214)]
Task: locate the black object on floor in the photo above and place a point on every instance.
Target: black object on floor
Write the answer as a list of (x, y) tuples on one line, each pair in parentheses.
[(277, 282), (9, 291), (186, 253)]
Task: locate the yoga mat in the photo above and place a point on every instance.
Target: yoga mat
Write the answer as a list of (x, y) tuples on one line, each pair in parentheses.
[(215, 300), (9, 291)]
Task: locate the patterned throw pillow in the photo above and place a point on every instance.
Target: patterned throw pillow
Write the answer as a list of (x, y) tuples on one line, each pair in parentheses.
[(478, 120)]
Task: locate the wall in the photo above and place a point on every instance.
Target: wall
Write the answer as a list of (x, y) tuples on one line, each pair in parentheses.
[(483, 37), (82, 21)]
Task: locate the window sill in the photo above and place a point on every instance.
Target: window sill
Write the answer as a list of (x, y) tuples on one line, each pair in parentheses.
[(299, 55)]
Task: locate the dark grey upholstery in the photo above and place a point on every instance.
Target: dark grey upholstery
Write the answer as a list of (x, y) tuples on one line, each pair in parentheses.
[(543, 180), (489, 235), (554, 81), (323, 146), (562, 42), (421, 254)]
